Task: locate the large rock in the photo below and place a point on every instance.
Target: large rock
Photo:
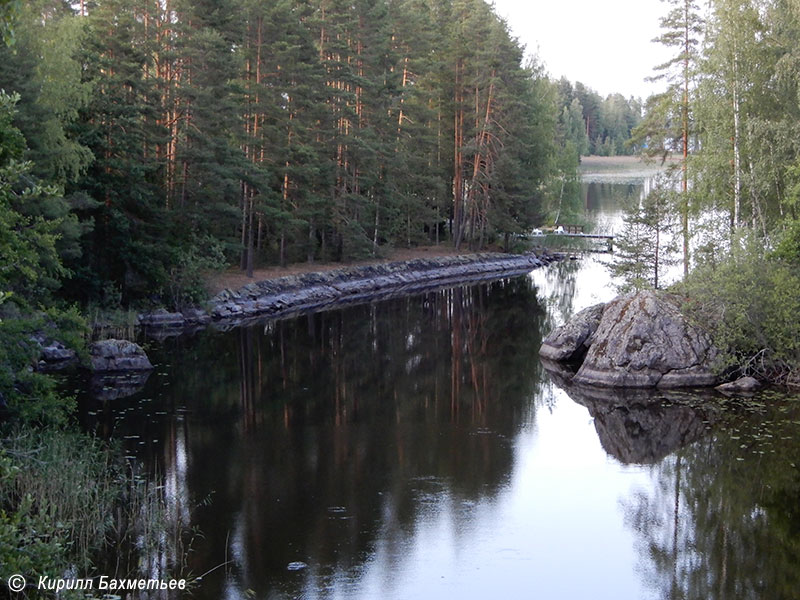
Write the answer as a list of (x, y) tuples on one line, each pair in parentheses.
[(642, 340), (570, 341), (743, 385), (56, 352), (118, 356), (54, 355)]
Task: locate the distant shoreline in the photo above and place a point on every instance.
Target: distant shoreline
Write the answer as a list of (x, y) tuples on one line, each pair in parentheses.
[(621, 162)]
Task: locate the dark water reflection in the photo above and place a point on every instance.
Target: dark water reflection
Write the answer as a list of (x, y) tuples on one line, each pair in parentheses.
[(314, 438), (416, 448), (640, 426), (721, 517)]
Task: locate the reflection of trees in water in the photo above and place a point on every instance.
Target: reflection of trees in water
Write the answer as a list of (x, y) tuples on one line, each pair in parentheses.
[(722, 520), (557, 284), (319, 434)]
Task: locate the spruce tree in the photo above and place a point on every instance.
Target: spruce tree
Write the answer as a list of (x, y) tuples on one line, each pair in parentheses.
[(646, 245)]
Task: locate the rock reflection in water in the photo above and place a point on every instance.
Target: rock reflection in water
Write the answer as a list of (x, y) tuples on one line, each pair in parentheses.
[(113, 386), (638, 426), (721, 517)]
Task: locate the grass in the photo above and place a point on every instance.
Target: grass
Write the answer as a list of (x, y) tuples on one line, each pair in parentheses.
[(67, 503), (112, 323)]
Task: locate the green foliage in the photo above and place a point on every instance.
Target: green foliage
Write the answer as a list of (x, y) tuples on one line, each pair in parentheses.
[(645, 245), (64, 498), (788, 247), (283, 130), (30, 542), (750, 303), (79, 501), (30, 220), (186, 285), (43, 68), (31, 396), (595, 125), (8, 14)]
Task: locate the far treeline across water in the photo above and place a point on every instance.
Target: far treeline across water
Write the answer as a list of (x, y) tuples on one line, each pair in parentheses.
[(167, 138)]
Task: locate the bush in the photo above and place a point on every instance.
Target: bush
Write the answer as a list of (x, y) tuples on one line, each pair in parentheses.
[(30, 542), (788, 248), (30, 396), (187, 281), (750, 303), (59, 493)]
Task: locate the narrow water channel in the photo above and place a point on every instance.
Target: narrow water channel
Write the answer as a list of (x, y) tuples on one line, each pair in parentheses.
[(415, 448)]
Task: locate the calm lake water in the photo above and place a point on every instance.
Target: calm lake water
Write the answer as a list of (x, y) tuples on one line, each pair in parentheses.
[(416, 448)]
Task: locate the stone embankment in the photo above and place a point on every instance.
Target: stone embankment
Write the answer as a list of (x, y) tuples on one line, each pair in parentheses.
[(314, 291), (120, 367)]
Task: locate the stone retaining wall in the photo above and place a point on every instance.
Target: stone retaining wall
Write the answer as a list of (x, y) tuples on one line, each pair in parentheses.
[(313, 291)]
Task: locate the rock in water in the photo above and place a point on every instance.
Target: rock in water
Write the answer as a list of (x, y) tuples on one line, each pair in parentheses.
[(118, 356), (639, 340), (570, 341), (743, 385), (643, 341)]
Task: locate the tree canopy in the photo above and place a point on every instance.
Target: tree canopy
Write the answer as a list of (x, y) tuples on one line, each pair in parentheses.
[(287, 130)]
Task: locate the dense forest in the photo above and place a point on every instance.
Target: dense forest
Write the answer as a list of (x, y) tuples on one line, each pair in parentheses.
[(171, 137), (146, 143)]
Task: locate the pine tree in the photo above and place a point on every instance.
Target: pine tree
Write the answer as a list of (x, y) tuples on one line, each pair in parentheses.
[(284, 83), (668, 124), (209, 159), (129, 251)]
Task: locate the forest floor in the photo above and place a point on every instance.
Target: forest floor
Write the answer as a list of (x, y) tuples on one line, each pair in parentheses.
[(233, 278)]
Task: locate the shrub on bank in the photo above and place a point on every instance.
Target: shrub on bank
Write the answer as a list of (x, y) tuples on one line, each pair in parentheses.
[(66, 498), (749, 303)]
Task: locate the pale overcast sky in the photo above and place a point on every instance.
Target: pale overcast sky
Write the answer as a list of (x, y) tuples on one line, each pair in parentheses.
[(605, 44)]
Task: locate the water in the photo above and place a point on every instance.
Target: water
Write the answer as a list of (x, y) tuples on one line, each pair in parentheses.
[(415, 448)]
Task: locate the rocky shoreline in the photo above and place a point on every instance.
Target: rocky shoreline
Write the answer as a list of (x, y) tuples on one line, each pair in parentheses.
[(285, 296)]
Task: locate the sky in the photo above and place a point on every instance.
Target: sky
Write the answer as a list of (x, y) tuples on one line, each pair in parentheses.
[(605, 44)]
